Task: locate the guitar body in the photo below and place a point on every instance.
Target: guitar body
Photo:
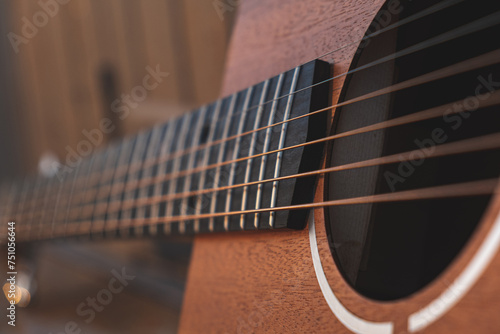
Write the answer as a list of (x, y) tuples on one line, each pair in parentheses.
[(267, 282)]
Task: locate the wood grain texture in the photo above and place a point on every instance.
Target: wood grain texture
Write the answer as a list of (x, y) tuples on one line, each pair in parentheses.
[(65, 78), (14, 81), (159, 44), (204, 50), (265, 282), (53, 82)]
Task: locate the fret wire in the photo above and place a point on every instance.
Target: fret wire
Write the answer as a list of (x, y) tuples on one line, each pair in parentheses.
[(190, 165), (177, 164), (36, 190), (36, 201), (236, 150), (141, 147), (472, 188), (23, 195), (470, 145), (248, 168), (78, 210), (167, 146), (124, 152), (422, 115), (475, 26), (263, 161), (423, 13), (487, 142), (206, 156), (281, 145), (439, 74), (216, 181), (89, 198), (22, 199), (64, 221), (97, 169), (61, 184), (125, 159), (11, 194), (490, 58), (48, 189), (154, 141), (82, 178), (14, 193), (111, 160)]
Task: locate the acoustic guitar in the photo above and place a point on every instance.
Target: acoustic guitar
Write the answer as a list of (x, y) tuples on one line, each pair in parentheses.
[(347, 181)]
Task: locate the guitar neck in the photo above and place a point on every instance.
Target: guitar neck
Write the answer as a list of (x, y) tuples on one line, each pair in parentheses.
[(222, 167)]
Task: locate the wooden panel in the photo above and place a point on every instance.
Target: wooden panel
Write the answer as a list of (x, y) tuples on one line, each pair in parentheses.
[(28, 96), (50, 61), (80, 52), (130, 14), (9, 127), (206, 35), (160, 47), (91, 52), (183, 73), (111, 41)]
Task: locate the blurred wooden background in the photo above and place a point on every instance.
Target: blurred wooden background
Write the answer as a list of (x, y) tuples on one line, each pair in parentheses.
[(63, 81), (65, 78)]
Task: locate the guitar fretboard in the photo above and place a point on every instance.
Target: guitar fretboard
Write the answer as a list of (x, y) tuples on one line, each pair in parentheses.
[(197, 173)]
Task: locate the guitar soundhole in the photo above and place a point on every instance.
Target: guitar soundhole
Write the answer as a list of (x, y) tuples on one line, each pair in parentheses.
[(390, 250)]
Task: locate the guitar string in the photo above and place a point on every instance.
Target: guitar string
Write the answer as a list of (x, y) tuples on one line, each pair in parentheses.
[(465, 189), (480, 61), (483, 23), (158, 162), (472, 63), (331, 107), (457, 68), (487, 142), (453, 148), (423, 13)]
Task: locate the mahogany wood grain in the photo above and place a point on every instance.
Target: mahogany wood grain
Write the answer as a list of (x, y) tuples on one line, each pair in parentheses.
[(265, 282)]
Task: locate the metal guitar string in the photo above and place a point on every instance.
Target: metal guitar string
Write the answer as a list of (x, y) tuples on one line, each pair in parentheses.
[(472, 27), (285, 149), (134, 166), (483, 60), (480, 61)]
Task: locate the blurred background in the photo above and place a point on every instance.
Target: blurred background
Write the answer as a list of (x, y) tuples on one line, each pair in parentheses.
[(62, 65)]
